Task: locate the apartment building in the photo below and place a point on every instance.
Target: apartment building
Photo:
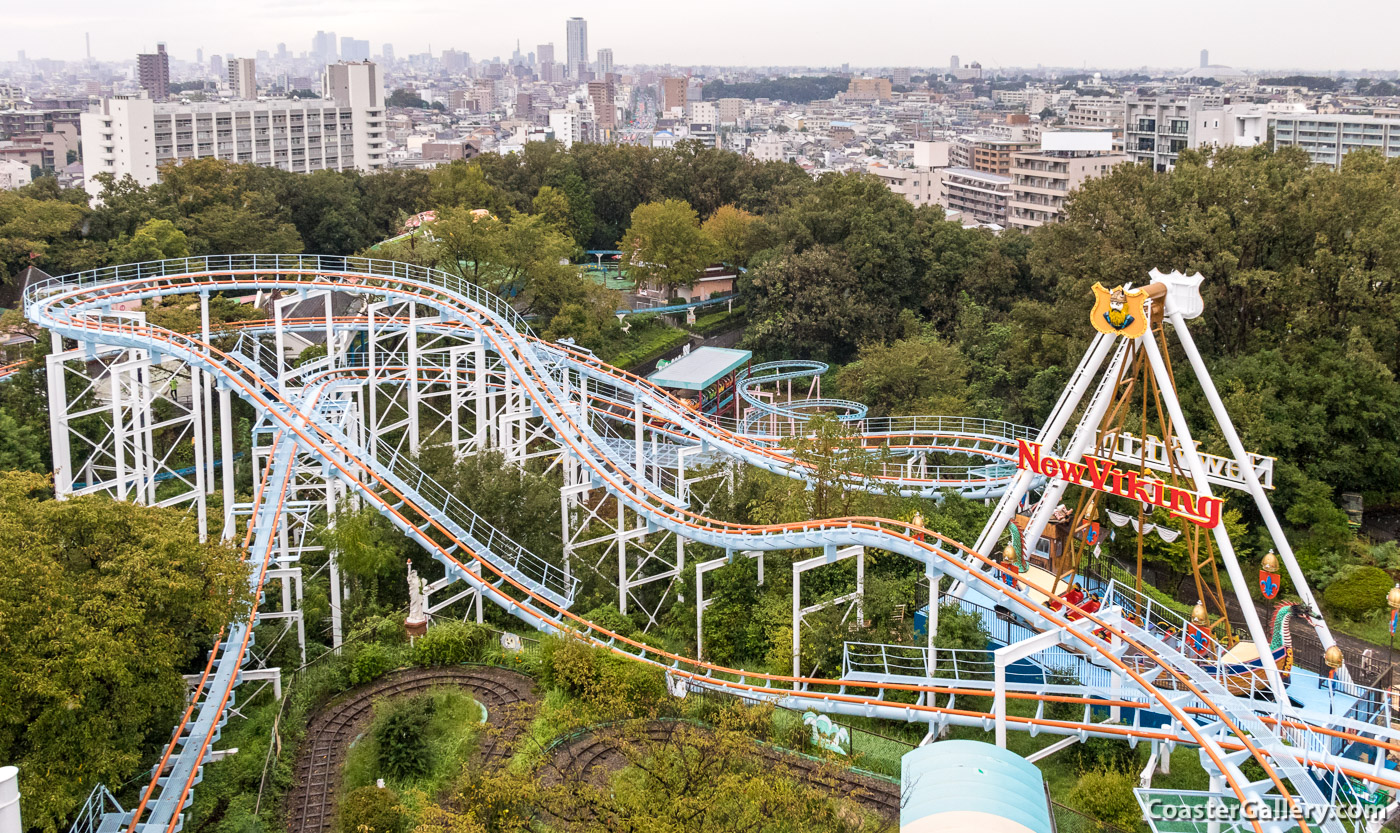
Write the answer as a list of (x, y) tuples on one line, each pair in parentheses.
[(1329, 138), (673, 91), (601, 93), (979, 196), (917, 185), (243, 78), (1157, 128), (153, 73), (731, 109), (869, 89), (1041, 181), (133, 135), (1096, 113), (567, 126), (987, 154)]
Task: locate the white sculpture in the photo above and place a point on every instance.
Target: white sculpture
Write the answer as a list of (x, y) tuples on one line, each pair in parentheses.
[(417, 598)]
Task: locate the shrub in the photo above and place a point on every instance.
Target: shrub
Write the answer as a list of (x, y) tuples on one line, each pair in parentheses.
[(1357, 591), (630, 687), (571, 665), (450, 643), (1110, 754), (1107, 795), (608, 616), (371, 663), (371, 810), (401, 737)]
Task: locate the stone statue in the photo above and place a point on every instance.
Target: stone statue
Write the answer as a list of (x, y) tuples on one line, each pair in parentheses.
[(417, 621)]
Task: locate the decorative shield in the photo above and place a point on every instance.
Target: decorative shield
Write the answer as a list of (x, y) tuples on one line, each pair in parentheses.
[(1120, 311), (1268, 584), (1196, 640)]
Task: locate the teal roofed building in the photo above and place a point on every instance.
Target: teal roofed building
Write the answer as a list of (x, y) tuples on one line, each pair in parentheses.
[(966, 786)]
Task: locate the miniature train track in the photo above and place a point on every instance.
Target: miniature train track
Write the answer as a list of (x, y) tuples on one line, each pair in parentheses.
[(595, 755), (313, 801)]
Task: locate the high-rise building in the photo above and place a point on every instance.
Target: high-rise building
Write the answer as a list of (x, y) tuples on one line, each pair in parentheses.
[(132, 135), (953, 64), (199, 56), (605, 63), (242, 79), (282, 52), (153, 71), (352, 49), (544, 54), (577, 31), (323, 46), (604, 107), (388, 53), (217, 66), (673, 93), (454, 61), (1205, 57)]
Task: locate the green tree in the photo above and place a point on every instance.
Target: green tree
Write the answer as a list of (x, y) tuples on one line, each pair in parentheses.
[(462, 184), (731, 231), (811, 305), (105, 603), (664, 244), (154, 240), (918, 375), (552, 205)]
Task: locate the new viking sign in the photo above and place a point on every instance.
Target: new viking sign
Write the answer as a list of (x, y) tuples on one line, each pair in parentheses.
[(1103, 476)]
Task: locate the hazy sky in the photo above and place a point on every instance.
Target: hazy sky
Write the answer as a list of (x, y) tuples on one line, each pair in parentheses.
[(1342, 34)]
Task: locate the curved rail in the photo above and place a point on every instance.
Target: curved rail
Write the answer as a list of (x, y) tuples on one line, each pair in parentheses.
[(1217, 725)]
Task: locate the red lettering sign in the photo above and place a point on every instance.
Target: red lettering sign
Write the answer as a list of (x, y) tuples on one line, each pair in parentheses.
[(1102, 476)]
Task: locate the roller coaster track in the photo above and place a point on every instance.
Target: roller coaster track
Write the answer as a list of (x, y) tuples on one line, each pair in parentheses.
[(1227, 729)]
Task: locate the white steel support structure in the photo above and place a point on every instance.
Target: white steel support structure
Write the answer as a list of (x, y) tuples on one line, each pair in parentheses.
[(854, 599), (702, 603)]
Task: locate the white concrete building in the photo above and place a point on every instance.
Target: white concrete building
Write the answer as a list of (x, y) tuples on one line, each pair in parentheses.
[(14, 174), (567, 126), (1329, 138), (1156, 129), (917, 185), (704, 112), (133, 136)]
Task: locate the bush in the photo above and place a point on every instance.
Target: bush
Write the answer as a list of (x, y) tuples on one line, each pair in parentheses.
[(572, 665), (1110, 754), (372, 810), (450, 643), (1107, 796), (371, 663), (1357, 591), (401, 737), (608, 616)]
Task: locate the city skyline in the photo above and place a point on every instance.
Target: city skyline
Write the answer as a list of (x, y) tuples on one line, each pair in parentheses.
[(1285, 39)]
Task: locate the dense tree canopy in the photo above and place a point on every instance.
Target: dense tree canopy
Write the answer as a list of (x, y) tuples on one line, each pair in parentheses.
[(104, 603)]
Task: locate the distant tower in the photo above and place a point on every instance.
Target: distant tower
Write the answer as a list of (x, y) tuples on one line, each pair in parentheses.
[(577, 33), (87, 36), (1205, 57), (953, 63), (153, 71)]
